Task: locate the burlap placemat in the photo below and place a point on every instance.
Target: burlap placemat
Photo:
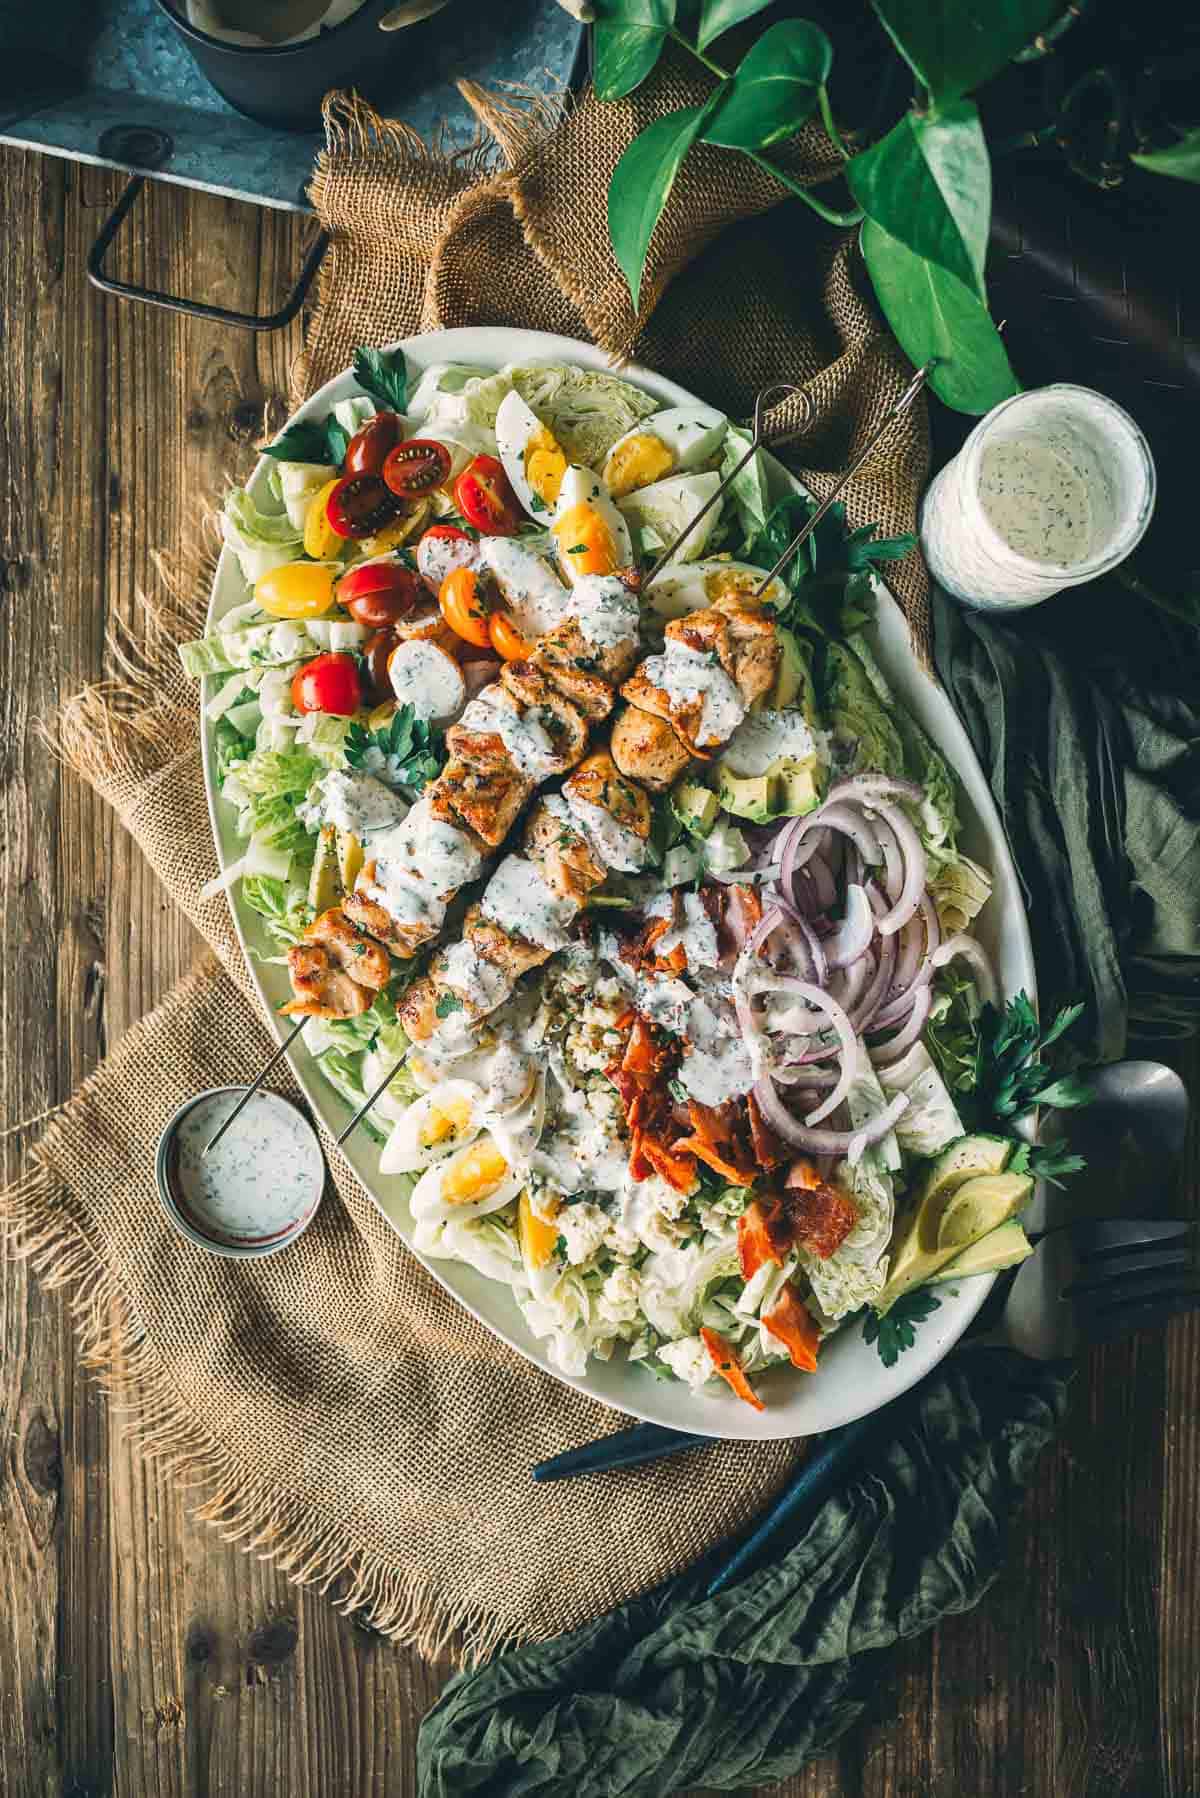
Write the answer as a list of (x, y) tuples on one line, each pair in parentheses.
[(337, 1410)]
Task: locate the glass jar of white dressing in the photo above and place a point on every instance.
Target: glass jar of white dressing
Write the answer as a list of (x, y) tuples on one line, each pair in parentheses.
[(1052, 488)]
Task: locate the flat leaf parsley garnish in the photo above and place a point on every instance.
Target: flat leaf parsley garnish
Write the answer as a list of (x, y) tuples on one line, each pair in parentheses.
[(382, 374), (1045, 1163), (895, 1331), (447, 1003), (1014, 1078), (311, 441), (407, 751)]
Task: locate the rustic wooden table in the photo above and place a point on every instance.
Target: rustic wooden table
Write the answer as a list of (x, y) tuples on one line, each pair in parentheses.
[(141, 1655)]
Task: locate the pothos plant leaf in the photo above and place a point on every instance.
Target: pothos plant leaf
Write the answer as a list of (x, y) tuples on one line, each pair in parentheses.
[(935, 316), (1181, 160), (928, 183), (954, 45), (775, 88), (717, 16), (627, 42), (642, 182)]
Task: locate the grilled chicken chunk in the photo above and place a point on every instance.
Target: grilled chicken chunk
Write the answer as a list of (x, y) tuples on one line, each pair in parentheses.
[(562, 852), (566, 646), (647, 749), (559, 717), (375, 919), (512, 954), (755, 649), (337, 969), (599, 781), (486, 798), (417, 1010)]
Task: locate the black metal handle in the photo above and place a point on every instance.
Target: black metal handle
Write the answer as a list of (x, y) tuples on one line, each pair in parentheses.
[(624, 1448), (222, 315)]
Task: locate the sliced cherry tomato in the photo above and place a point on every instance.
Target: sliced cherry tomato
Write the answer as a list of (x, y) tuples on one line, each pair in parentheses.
[(328, 683), (415, 466), (485, 499), (321, 541), (380, 593), (461, 599), (368, 448), (507, 640), (376, 651), (358, 505), (450, 532), (295, 590)]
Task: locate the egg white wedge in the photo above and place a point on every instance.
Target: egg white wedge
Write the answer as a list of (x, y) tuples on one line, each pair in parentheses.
[(472, 1183), (589, 531), (516, 1134), (533, 458), (528, 585), (437, 1125), (684, 587), (538, 1241), (674, 441)]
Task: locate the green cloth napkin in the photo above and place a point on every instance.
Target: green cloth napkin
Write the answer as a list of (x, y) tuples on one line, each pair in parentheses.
[(674, 1690), (1085, 714)]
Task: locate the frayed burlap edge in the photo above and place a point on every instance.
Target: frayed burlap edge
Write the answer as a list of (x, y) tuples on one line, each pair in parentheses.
[(42, 1224)]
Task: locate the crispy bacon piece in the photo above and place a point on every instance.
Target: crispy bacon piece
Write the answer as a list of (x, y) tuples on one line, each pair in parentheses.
[(821, 1216), (638, 950), (720, 1138), (724, 1359), (769, 1151), (677, 1170), (641, 1079), (791, 1322), (764, 1234)]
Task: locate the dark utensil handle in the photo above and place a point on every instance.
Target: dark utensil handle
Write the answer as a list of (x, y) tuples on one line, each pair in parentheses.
[(837, 1454), (222, 315), (624, 1448)]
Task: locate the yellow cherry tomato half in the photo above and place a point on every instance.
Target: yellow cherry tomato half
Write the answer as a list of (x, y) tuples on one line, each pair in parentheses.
[(320, 539), (297, 590), (461, 600), (506, 639)]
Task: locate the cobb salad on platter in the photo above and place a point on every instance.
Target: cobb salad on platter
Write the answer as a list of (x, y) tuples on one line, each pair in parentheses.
[(650, 888)]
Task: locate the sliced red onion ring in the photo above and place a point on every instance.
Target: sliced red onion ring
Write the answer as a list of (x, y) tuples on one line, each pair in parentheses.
[(847, 985), (904, 1039), (852, 937), (865, 788), (971, 951), (893, 859), (851, 823), (825, 1142), (915, 869), (899, 1004), (795, 1073), (847, 1041)]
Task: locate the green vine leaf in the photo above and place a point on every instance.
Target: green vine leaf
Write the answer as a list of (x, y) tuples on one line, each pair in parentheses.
[(1181, 160), (642, 182), (717, 16), (955, 45), (627, 42), (775, 88), (934, 315), (928, 183)]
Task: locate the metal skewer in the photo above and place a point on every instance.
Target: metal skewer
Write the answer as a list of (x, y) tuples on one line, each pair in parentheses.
[(250, 1091), (369, 1101)]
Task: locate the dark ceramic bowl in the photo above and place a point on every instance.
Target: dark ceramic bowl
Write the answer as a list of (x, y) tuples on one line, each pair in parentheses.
[(284, 85)]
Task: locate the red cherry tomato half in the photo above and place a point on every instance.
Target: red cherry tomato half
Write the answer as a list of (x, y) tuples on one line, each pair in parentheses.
[(328, 683), (485, 499), (415, 466), (379, 593), (449, 532), (359, 505), (368, 448)]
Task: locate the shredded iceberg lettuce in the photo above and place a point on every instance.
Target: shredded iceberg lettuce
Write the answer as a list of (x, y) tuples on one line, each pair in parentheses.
[(260, 540)]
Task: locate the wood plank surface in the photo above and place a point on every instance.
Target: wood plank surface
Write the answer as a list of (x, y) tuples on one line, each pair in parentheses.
[(139, 1654)]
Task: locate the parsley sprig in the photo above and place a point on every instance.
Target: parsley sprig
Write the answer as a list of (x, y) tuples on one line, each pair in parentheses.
[(407, 751), (311, 440), (895, 1331), (1013, 1075), (383, 375)]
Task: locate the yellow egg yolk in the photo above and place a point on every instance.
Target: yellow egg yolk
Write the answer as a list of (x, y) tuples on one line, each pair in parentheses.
[(450, 1119), (585, 541), (545, 465), (732, 583), (636, 463), (478, 1173), (536, 1236)]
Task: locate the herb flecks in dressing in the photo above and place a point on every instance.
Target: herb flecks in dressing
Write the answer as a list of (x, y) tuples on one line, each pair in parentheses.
[(1036, 497), (258, 1181)]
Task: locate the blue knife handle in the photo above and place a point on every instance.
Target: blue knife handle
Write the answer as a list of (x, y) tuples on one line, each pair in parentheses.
[(624, 1448), (838, 1452)]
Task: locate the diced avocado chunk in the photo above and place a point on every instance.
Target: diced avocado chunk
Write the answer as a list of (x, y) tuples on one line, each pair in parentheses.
[(798, 784), (350, 858), (324, 883), (696, 807), (1002, 1247), (981, 1205), (749, 795)]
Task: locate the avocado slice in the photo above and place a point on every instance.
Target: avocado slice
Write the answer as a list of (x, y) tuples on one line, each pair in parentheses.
[(793, 683), (798, 782), (1002, 1247), (980, 1206), (324, 882), (696, 807), (917, 1250), (964, 1159), (752, 796)]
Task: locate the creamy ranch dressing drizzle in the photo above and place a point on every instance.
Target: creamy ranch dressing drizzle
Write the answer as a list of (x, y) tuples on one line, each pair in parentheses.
[(258, 1181), (519, 901), (686, 675), (357, 803), (617, 846), (535, 595), (1037, 498), (763, 737), (605, 611), (425, 677), (479, 983)]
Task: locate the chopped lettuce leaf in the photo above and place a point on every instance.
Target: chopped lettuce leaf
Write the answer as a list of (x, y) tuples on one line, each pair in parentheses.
[(586, 409), (931, 1120), (952, 1029), (298, 483), (666, 507), (749, 489), (282, 905), (272, 644), (229, 745), (260, 540)]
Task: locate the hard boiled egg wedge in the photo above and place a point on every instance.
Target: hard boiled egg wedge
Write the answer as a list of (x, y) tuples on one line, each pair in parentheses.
[(470, 1183), (516, 1133), (440, 1123), (531, 590), (533, 458), (590, 534), (674, 441), (666, 508), (538, 1239), (684, 587)]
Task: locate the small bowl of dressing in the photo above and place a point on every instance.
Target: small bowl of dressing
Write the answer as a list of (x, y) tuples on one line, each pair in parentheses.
[(258, 1189)]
